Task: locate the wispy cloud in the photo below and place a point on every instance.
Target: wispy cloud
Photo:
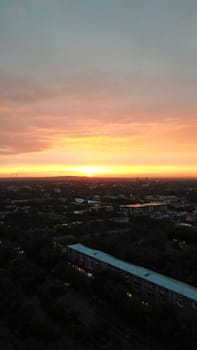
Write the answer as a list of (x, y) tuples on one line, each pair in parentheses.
[(105, 113), (11, 109), (17, 11)]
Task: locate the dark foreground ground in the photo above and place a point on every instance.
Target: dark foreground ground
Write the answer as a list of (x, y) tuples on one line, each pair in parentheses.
[(100, 313)]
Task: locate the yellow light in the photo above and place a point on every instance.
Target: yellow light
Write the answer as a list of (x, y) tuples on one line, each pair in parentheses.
[(97, 170), (92, 170), (129, 295)]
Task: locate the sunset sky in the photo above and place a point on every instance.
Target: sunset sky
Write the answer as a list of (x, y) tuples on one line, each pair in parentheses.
[(98, 87)]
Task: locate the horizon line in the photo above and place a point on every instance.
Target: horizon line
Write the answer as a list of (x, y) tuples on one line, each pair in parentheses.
[(139, 177)]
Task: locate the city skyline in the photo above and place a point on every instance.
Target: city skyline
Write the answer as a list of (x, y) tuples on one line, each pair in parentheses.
[(98, 88)]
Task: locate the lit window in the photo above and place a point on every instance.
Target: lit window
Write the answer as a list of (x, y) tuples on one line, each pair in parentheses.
[(129, 295)]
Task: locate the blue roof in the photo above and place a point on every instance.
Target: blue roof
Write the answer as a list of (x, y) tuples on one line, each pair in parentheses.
[(149, 275)]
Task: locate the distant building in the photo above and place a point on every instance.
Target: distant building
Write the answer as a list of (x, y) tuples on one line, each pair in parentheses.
[(150, 286), (93, 202), (79, 200), (162, 198), (121, 220), (142, 209), (184, 224)]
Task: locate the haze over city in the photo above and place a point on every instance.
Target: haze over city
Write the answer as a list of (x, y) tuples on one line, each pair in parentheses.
[(98, 88)]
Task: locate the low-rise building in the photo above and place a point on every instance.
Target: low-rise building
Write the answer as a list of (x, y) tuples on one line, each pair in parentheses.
[(142, 208)]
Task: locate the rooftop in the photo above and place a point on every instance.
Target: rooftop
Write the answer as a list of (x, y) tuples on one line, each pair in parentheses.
[(143, 205)]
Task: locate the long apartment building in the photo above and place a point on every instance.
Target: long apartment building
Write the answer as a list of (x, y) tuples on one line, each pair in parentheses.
[(139, 281)]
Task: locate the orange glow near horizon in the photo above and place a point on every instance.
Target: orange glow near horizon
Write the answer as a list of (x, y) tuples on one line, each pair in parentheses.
[(79, 145), (154, 153), (152, 149), (98, 171)]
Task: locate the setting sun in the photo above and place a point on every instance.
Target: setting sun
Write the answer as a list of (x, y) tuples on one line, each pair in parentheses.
[(93, 170)]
